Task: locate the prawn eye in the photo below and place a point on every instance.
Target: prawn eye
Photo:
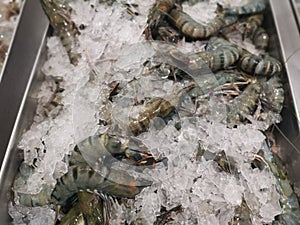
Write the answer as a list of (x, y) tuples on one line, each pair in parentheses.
[(114, 143)]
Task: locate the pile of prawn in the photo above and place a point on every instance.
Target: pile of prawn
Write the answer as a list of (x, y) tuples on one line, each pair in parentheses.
[(248, 85)]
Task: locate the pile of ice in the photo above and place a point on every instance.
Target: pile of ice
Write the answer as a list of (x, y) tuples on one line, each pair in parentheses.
[(207, 195), (113, 50)]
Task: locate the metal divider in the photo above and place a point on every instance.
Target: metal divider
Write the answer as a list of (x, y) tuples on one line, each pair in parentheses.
[(16, 82)]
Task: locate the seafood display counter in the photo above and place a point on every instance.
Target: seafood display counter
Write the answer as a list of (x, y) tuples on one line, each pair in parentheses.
[(22, 80)]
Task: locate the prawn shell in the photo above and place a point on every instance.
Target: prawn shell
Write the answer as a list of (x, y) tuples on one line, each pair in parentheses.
[(85, 178), (219, 58), (245, 103), (223, 58), (156, 107), (261, 38), (73, 217), (65, 28), (191, 28), (268, 66), (255, 65), (253, 6)]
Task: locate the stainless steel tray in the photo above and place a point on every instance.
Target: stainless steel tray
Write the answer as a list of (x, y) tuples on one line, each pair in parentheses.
[(21, 80), (286, 19)]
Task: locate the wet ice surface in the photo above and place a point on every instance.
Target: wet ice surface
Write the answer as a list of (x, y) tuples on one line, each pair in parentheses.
[(113, 49), (34, 216)]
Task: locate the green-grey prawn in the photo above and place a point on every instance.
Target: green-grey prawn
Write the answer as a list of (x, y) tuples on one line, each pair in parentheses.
[(248, 62), (88, 209), (59, 17), (86, 173), (158, 28), (272, 99), (195, 30), (259, 65), (245, 103), (251, 7), (255, 31), (156, 107)]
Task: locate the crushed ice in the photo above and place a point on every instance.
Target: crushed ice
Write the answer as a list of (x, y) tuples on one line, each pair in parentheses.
[(114, 50)]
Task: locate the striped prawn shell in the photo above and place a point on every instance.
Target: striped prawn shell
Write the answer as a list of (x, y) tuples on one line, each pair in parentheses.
[(245, 103), (219, 54), (260, 38), (253, 6), (256, 33), (257, 65), (85, 178), (58, 14), (193, 29), (157, 107)]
